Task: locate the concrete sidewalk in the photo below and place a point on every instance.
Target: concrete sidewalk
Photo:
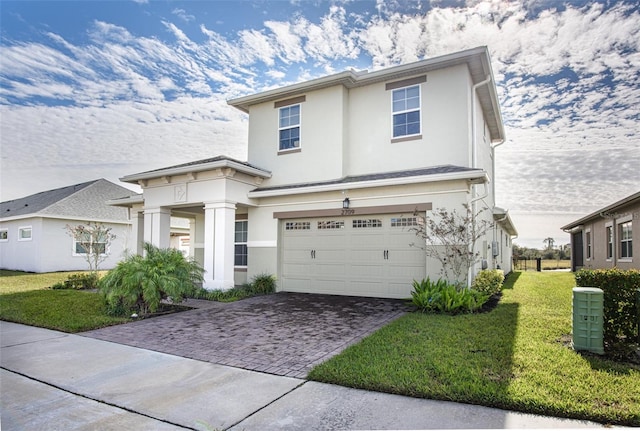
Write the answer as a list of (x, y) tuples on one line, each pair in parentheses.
[(56, 381)]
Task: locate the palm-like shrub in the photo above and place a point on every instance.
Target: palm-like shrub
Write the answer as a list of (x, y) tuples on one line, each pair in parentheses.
[(442, 297), (139, 283)]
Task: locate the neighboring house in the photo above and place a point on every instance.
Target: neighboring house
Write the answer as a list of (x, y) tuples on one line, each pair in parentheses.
[(604, 239), (337, 167), (33, 236)]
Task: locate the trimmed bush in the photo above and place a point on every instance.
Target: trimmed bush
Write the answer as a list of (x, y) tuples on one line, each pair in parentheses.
[(263, 283), (488, 281), (138, 284), (260, 285), (620, 309), (78, 282), (442, 297)]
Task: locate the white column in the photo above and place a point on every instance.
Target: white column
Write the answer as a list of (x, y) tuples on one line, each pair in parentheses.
[(137, 232), (219, 238), (157, 226)]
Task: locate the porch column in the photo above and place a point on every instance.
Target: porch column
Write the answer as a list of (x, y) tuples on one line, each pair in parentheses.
[(157, 226), (137, 232), (219, 237)]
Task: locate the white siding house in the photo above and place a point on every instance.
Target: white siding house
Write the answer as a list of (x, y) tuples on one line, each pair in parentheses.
[(33, 236), (336, 168)]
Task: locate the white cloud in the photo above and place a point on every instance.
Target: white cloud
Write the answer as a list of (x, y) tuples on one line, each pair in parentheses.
[(183, 15), (568, 81)]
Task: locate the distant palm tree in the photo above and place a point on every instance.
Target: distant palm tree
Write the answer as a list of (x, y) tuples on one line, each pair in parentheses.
[(549, 241)]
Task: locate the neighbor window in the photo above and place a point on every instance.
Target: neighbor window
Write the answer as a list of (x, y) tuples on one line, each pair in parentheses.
[(289, 128), (4, 235), (241, 243), (588, 245), (626, 244), (24, 233), (406, 111), (83, 245), (609, 233)]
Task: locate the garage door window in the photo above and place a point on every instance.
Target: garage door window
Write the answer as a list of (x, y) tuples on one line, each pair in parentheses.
[(357, 224), (297, 225), (331, 224), (404, 221)]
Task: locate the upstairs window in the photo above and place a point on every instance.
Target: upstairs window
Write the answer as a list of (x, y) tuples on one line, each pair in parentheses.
[(406, 111), (289, 128), (626, 243)]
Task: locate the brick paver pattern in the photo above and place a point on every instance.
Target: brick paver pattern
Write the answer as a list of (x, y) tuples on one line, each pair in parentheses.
[(284, 334)]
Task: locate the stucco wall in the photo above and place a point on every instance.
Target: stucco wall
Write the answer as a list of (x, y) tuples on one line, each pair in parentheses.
[(51, 248), (597, 228)]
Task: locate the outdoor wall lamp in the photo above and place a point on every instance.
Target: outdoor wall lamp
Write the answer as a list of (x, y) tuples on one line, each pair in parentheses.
[(345, 204)]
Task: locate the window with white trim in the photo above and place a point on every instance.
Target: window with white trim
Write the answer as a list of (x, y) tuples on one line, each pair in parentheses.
[(24, 233), (289, 128), (86, 246), (609, 238), (4, 235), (626, 240), (405, 103), (241, 251)]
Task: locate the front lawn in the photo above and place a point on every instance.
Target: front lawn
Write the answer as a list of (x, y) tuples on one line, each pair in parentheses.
[(516, 357), (25, 298)]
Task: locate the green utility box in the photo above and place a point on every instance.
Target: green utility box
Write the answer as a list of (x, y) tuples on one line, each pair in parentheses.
[(588, 304)]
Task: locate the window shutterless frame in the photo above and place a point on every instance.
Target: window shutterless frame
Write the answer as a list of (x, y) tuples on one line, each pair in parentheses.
[(25, 233), (406, 108)]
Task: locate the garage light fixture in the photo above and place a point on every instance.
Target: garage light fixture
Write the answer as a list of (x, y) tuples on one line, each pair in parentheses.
[(345, 203)]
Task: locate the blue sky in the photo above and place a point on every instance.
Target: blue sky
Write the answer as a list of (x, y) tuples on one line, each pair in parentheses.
[(92, 89)]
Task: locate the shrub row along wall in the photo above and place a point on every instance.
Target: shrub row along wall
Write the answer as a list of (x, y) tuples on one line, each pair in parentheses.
[(620, 308)]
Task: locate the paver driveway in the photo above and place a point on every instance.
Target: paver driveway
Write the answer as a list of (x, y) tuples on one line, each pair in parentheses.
[(284, 334)]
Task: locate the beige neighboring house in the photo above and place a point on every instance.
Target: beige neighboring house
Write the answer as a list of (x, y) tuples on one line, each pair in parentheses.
[(33, 236), (336, 168), (605, 238)]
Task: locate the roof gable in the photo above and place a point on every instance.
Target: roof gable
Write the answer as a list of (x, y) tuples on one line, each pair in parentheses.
[(79, 201)]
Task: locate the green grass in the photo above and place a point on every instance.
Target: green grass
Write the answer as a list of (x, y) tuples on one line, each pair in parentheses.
[(25, 298), (515, 357)]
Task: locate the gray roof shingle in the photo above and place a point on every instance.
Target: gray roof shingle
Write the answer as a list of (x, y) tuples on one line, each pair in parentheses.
[(79, 201), (444, 169)]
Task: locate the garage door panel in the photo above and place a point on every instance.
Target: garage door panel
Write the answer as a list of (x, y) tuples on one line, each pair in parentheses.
[(366, 271), (363, 256)]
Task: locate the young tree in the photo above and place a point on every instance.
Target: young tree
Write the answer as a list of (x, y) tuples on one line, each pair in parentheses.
[(451, 237), (92, 241)]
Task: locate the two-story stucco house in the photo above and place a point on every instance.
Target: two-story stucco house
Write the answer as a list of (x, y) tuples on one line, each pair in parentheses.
[(337, 167)]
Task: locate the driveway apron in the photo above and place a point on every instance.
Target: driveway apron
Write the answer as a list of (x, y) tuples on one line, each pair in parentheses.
[(284, 334)]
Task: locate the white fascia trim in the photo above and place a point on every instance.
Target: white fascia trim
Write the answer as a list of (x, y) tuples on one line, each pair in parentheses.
[(62, 217), (482, 176), (352, 79), (126, 202), (134, 178)]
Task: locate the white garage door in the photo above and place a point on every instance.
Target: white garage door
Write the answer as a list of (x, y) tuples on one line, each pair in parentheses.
[(367, 255)]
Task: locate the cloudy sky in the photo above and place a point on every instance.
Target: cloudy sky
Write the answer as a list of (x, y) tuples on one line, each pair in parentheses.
[(92, 89)]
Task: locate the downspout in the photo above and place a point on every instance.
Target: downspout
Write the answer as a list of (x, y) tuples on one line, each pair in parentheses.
[(474, 157)]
